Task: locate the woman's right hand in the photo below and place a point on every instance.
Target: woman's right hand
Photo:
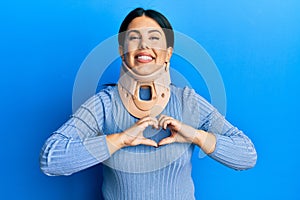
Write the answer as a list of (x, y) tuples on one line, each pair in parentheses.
[(133, 136)]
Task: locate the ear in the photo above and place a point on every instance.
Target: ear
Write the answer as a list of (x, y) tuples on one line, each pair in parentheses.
[(121, 52), (169, 54)]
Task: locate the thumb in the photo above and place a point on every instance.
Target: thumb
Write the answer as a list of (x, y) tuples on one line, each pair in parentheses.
[(148, 142), (167, 140)]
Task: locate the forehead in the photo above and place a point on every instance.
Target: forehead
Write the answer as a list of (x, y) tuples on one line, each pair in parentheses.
[(143, 22)]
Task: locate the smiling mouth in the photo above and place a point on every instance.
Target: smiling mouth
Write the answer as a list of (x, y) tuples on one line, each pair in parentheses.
[(142, 58)]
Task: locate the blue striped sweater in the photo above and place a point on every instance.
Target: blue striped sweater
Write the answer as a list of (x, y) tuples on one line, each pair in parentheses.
[(142, 172)]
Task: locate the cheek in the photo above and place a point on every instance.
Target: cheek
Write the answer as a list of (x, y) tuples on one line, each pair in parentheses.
[(161, 54), (129, 51), (129, 58), (131, 46)]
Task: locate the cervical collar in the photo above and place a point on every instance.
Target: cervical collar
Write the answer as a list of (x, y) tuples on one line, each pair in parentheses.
[(129, 90)]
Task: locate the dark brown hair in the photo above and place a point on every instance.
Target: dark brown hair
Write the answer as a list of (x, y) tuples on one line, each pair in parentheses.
[(156, 16)]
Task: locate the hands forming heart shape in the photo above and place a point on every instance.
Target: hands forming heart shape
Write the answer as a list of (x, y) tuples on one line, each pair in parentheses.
[(179, 132)]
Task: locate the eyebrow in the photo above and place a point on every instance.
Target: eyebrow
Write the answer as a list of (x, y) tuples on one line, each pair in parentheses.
[(138, 32), (135, 31), (154, 30)]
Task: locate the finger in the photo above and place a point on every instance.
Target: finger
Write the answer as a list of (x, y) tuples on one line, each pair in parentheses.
[(145, 124), (148, 142), (167, 122), (146, 119), (167, 140), (155, 126), (154, 123), (148, 122), (162, 121), (161, 116), (173, 124)]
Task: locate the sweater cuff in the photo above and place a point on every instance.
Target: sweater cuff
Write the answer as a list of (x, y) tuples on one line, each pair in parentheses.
[(97, 146), (217, 146), (237, 154)]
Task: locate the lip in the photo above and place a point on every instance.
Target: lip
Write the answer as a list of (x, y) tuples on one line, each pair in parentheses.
[(144, 57)]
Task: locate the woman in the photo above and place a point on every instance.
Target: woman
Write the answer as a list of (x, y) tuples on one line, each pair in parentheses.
[(144, 129)]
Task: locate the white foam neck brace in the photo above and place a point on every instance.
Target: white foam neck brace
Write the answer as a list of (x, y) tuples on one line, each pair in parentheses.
[(129, 87)]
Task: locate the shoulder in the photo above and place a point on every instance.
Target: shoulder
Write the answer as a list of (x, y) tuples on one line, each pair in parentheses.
[(194, 107), (98, 100), (106, 94), (188, 95)]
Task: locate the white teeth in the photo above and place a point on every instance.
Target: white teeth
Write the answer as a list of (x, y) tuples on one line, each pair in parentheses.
[(144, 57)]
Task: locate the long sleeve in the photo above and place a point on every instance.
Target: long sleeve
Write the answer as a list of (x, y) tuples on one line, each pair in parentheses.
[(77, 144), (233, 148)]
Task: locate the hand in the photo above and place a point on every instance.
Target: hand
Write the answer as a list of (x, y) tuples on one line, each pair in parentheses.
[(134, 135), (179, 132)]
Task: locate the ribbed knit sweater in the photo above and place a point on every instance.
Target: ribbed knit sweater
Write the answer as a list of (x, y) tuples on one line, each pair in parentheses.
[(142, 172)]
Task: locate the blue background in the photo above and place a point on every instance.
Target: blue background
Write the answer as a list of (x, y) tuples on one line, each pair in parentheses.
[(255, 44)]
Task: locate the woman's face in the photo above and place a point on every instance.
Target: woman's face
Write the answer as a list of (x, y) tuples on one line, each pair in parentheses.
[(145, 47)]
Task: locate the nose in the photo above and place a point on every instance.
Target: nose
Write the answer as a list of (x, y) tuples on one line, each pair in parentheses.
[(143, 44)]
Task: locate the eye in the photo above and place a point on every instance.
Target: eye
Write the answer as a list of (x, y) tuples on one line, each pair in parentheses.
[(134, 38), (154, 38)]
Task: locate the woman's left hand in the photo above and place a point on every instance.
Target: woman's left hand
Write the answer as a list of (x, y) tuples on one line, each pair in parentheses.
[(183, 133), (179, 132)]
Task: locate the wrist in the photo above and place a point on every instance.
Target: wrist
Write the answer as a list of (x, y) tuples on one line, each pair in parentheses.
[(198, 139), (114, 142), (206, 141)]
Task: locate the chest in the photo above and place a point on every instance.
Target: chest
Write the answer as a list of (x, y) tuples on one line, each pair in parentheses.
[(143, 158)]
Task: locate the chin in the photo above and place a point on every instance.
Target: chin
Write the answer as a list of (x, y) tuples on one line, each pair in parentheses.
[(146, 68)]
